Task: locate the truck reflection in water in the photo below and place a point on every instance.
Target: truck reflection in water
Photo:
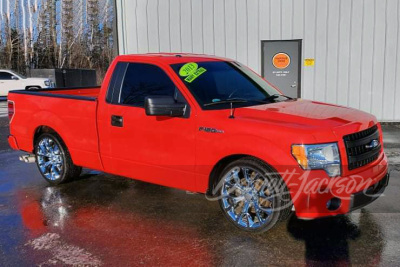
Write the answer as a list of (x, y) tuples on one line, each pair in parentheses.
[(120, 221), (94, 218), (54, 207)]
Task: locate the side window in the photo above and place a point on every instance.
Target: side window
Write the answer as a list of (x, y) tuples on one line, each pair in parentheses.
[(5, 75), (143, 80)]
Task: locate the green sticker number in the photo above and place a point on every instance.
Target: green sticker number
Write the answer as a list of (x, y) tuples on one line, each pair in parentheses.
[(191, 71)]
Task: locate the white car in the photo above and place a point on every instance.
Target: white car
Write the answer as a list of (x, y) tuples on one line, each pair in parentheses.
[(10, 80)]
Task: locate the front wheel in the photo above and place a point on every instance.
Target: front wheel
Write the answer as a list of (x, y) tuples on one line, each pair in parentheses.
[(54, 161), (253, 196)]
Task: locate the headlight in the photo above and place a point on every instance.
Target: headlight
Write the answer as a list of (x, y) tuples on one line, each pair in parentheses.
[(318, 157), (47, 82)]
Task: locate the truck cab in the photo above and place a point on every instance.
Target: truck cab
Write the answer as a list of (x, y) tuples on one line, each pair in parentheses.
[(209, 125)]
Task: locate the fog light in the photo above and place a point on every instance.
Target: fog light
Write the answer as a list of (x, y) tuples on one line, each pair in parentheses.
[(333, 204)]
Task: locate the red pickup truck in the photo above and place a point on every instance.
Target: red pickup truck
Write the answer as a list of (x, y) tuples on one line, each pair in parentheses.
[(207, 125)]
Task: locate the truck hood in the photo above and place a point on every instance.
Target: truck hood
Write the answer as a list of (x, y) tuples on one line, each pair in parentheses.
[(41, 80), (309, 114)]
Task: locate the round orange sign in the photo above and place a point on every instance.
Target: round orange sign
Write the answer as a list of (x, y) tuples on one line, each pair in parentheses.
[(281, 61)]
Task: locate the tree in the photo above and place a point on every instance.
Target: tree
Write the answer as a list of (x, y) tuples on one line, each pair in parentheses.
[(56, 34)]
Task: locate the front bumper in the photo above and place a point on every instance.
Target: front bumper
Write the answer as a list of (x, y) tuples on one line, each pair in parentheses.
[(312, 199), (363, 198)]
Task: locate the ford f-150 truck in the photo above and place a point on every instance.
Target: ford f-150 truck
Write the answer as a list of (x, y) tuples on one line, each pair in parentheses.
[(207, 125)]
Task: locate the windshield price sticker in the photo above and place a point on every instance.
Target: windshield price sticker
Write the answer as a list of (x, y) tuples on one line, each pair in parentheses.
[(191, 71)]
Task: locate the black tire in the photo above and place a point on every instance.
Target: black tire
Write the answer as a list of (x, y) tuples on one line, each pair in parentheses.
[(56, 167), (32, 88), (279, 199)]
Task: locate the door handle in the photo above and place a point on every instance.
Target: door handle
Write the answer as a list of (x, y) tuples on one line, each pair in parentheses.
[(293, 86), (117, 121)]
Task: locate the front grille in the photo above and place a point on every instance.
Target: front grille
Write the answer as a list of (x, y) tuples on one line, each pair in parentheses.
[(358, 147)]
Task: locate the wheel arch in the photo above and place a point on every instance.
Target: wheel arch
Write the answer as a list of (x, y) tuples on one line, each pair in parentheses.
[(221, 164), (45, 129)]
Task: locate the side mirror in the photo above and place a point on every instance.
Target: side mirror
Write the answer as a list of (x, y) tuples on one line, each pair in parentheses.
[(15, 78), (163, 106)]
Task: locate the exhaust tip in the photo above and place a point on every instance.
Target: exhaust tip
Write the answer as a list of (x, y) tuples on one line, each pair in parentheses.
[(28, 158)]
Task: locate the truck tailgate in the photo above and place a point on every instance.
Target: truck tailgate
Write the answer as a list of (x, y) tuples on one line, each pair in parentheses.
[(71, 113)]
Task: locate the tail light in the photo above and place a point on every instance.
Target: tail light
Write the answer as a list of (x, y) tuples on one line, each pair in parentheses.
[(11, 110)]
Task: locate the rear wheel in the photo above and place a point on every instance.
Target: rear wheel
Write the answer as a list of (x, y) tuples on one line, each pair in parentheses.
[(53, 160), (253, 196)]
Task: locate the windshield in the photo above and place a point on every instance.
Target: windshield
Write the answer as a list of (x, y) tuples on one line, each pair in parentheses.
[(216, 84), (19, 75)]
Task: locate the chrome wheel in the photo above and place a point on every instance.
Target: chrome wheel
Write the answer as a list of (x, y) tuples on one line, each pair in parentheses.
[(247, 198), (50, 159)]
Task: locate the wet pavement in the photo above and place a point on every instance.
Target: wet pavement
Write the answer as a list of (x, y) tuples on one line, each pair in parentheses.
[(101, 219)]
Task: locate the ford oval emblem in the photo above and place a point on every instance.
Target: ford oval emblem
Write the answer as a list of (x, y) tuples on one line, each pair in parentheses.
[(374, 143)]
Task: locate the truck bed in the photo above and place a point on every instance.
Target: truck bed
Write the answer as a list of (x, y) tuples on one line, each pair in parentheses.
[(69, 112), (81, 93)]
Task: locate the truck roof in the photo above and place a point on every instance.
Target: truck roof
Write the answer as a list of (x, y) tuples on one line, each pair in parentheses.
[(173, 58)]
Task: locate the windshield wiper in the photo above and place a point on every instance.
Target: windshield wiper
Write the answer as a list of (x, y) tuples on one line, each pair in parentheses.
[(231, 101), (236, 100), (227, 101), (275, 96), (267, 100)]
